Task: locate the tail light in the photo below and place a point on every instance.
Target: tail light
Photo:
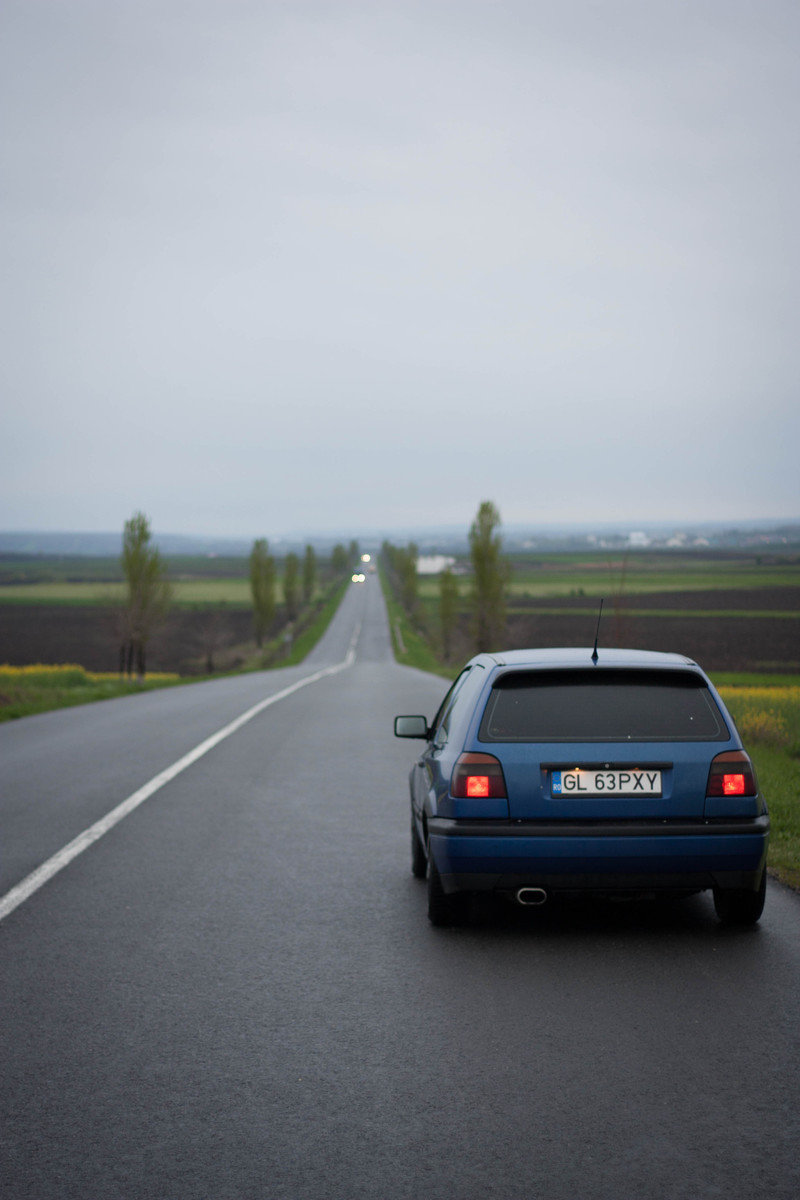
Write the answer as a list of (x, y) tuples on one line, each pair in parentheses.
[(732, 774), (478, 777)]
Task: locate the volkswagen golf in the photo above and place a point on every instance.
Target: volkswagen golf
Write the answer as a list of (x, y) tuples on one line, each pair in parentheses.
[(554, 771)]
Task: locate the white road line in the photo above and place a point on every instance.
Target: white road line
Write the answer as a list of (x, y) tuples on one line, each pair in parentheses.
[(19, 894)]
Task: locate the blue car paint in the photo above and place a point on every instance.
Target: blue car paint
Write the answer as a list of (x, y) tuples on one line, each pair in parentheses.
[(706, 855)]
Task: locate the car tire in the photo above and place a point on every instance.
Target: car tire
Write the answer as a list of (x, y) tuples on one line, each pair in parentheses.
[(444, 909), (738, 906), (419, 861)]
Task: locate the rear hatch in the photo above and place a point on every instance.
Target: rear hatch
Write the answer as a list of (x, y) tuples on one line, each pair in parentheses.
[(603, 744)]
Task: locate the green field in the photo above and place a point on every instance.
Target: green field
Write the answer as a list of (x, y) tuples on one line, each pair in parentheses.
[(543, 577), (593, 576), (74, 568), (81, 580), (596, 582), (185, 591)]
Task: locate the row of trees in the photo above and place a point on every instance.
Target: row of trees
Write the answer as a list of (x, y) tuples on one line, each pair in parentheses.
[(299, 585), (401, 562), (148, 592), (344, 558), (487, 591), (299, 581)]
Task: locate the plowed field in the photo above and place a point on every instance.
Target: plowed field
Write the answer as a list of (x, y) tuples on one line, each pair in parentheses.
[(712, 627), (89, 635)]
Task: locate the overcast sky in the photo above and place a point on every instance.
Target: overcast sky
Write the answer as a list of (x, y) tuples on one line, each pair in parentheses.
[(278, 267)]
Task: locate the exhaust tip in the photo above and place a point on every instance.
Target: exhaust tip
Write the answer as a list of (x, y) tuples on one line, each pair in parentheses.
[(528, 896)]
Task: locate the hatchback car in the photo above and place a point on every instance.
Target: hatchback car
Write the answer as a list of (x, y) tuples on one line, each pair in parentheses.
[(555, 771)]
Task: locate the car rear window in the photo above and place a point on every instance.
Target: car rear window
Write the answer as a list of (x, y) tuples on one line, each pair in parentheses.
[(601, 706)]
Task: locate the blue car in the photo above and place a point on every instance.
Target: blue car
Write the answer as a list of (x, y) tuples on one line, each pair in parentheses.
[(555, 771)]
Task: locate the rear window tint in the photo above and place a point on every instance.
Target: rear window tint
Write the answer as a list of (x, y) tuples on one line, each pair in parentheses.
[(601, 706)]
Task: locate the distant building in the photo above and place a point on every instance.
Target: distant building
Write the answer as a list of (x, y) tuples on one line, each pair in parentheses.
[(434, 564)]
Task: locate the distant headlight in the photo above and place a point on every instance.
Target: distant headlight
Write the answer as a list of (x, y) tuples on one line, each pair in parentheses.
[(359, 578)]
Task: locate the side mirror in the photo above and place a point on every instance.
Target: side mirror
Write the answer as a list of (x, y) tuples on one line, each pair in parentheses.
[(411, 727)]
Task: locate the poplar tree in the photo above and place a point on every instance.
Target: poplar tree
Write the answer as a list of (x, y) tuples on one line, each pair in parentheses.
[(402, 564), (448, 609), (291, 585), (147, 594), (262, 588), (309, 574), (489, 578), (408, 576)]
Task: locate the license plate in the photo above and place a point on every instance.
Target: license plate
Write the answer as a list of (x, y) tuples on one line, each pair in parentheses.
[(582, 782)]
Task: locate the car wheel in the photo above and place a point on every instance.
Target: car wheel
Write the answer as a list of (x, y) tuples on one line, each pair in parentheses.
[(737, 906), (419, 861), (444, 909)]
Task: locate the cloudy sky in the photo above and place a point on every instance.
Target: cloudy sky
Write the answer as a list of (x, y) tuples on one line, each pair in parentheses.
[(280, 266)]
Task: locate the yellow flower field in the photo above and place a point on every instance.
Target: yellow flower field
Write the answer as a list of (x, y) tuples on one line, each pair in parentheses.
[(64, 675), (767, 715)]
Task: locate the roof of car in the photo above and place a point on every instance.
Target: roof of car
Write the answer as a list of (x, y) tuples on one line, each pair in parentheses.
[(572, 656)]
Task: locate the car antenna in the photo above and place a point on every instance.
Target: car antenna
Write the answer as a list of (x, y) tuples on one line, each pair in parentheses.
[(597, 633)]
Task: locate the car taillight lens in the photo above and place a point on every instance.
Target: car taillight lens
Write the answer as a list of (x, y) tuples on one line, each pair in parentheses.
[(732, 774), (478, 777)]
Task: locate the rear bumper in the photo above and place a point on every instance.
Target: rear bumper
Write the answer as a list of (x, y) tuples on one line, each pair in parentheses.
[(600, 856)]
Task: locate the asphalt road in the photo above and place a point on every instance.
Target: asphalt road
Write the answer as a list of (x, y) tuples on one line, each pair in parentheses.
[(235, 992)]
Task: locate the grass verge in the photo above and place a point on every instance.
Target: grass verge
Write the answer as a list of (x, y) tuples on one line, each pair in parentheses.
[(768, 718), (779, 776), (25, 691), (411, 646)]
